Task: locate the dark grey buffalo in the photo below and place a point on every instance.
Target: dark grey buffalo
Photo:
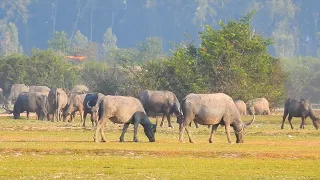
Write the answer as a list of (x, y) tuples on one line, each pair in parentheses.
[(162, 103), (124, 110), (91, 105), (40, 89), (58, 100), (30, 102), (303, 109), (75, 104), (212, 109), (15, 90)]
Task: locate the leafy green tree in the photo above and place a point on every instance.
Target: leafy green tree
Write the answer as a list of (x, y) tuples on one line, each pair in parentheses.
[(285, 33), (100, 78), (151, 48), (9, 43), (232, 60), (50, 69), (303, 78), (15, 10), (12, 70), (109, 44), (79, 43), (59, 42)]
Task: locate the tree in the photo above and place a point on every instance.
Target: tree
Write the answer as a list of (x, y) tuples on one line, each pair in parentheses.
[(12, 70), (79, 44), (303, 78), (15, 10), (231, 60), (59, 42), (50, 69), (151, 48), (109, 44), (9, 43), (283, 13)]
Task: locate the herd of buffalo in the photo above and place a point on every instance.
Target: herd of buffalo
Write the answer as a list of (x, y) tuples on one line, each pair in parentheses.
[(57, 104)]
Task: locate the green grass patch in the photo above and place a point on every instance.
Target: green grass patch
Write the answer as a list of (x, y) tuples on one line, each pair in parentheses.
[(31, 149)]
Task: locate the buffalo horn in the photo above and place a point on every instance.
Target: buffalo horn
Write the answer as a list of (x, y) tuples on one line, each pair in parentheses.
[(8, 110), (88, 106), (250, 122)]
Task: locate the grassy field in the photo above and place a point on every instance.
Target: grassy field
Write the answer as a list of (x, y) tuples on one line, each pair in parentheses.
[(31, 149)]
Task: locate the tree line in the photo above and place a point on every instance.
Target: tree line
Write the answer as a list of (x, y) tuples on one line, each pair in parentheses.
[(232, 59)]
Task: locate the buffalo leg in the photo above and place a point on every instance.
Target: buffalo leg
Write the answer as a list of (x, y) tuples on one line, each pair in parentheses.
[(285, 114), (161, 124), (28, 117), (100, 128), (103, 137), (196, 124), (289, 119), (227, 128), (84, 119), (302, 122), (189, 134), (92, 120), (124, 130), (135, 131), (213, 132), (268, 111), (169, 121), (81, 115), (181, 131), (56, 116)]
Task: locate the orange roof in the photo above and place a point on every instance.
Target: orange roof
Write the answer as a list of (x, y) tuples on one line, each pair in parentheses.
[(79, 58)]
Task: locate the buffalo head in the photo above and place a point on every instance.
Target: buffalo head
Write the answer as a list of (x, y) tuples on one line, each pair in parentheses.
[(150, 131), (94, 110), (238, 129)]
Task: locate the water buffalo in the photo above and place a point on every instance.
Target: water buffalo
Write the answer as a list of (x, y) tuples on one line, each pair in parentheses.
[(58, 100), (212, 109), (241, 105), (91, 105), (30, 102), (40, 89), (303, 109), (75, 104), (124, 110), (79, 89), (258, 106), (162, 103), (15, 90)]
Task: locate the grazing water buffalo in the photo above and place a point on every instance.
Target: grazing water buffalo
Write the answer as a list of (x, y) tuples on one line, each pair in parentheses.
[(15, 90), (30, 102), (212, 109), (75, 104), (91, 105), (258, 106), (164, 103), (242, 108), (303, 109), (58, 100), (124, 110), (40, 89)]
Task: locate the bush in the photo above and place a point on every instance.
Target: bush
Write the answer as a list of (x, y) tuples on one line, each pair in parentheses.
[(41, 68)]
